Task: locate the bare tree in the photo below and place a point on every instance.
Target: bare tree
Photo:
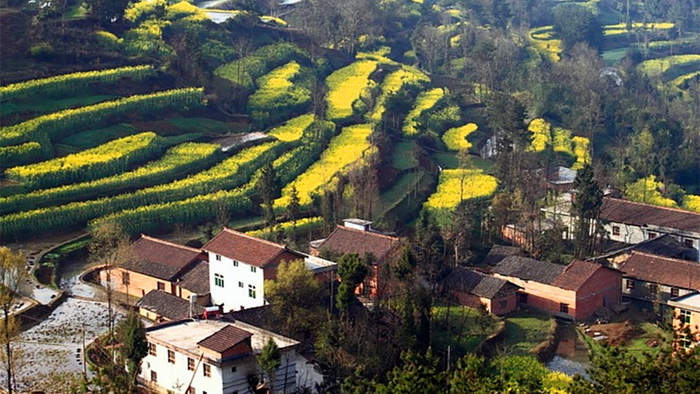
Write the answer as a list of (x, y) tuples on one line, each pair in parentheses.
[(12, 274)]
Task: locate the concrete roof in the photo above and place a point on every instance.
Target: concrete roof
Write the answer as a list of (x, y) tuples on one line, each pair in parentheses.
[(690, 301)]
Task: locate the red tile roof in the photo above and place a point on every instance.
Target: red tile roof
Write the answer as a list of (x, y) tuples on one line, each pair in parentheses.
[(225, 339), (345, 240), (576, 274), (662, 270), (158, 258), (638, 214), (250, 250)]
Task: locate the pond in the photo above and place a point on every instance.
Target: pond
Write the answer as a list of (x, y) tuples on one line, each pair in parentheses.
[(571, 356)]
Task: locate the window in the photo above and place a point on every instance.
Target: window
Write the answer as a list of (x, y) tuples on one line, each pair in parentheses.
[(689, 243), (217, 257), (171, 357), (652, 235), (235, 263), (653, 288), (684, 341), (616, 230), (234, 369), (251, 291), (207, 370), (685, 316), (563, 308), (674, 292), (160, 285), (629, 284), (219, 280), (152, 349), (253, 269), (190, 364), (154, 376), (240, 284), (126, 278)]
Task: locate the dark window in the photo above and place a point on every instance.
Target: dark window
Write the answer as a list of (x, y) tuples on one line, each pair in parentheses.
[(235, 263), (653, 288), (629, 284), (253, 269), (652, 235), (234, 369), (161, 286), (674, 292), (218, 280), (171, 357), (126, 278), (154, 376), (685, 341), (689, 243), (251, 291), (685, 316), (207, 370), (217, 257), (616, 230), (190, 364), (563, 308), (240, 284), (152, 349)]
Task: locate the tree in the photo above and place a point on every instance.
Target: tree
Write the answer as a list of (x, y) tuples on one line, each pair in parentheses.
[(12, 274), (267, 188), (506, 116), (352, 271), (586, 209), (132, 336), (269, 360), (295, 297), (293, 211), (576, 23), (107, 11)]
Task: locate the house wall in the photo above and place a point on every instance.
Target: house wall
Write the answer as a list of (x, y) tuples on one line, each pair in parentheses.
[(175, 377), (681, 328), (496, 306), (642, 290), (139, 284), (232, 295), (603, 288), (545, 297)]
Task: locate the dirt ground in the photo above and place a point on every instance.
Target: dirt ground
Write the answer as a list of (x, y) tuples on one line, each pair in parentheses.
[(622, 329)]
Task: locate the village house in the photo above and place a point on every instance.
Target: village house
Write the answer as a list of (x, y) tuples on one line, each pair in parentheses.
[(155, 264), (632, 222), (159, 306), (239, 264), (499, 252), (474, 289), (356, 236), (212, 356), (657, 279), (686, 320), (575, 291), (663, 245)]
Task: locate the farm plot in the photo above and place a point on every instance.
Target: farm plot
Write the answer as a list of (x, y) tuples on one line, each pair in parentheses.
[(425, 101), (459, 185), (560, 140), (456, 138), (393, 83), (278, 95), (345, 86)]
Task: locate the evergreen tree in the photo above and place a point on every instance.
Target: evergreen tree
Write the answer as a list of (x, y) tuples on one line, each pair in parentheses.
[(267, 188), (269, 360), (586, 208)]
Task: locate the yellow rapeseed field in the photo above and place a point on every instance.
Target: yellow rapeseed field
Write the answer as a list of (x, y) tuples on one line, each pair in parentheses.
[(458, 185), (345, 86), (425, 100), (541, 134), (392, 84), (456, 138), (293, 129)]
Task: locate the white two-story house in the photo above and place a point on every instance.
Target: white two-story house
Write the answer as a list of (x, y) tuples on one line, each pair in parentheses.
[(213, 357), (239, 264)]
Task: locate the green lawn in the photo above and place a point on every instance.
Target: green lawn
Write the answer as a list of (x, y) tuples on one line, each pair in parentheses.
[(402, 158), (466, 328), (525, 330)]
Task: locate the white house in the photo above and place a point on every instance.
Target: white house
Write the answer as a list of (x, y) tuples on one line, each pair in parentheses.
[(212, 357), (239, 264), (632, 222)]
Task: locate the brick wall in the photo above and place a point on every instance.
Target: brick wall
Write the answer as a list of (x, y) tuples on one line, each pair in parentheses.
[(492, 305), (545, 297), (603, 288)]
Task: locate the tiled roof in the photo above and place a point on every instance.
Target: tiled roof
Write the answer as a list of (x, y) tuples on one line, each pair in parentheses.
[(638, 214), (196, 280), (167, 305), (529, 269), (576, 274), (482, 285), (250, 250), (665, 245), (346, 240), (662, 270), (158, 258), (500, 252), (225, 339)]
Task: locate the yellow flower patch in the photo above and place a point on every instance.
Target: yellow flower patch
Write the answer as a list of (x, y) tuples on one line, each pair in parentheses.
[(692, 203), (345, 86), (458, 185), (425, 101), (293, 130), (392, 83), (541, 135), (456, 138)]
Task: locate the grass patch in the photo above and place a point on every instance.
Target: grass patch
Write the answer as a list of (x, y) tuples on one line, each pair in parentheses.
[(45, 105), (403, 158), (613, 56), (525, 330), (92, 138), (464, 330), (401, 189), (206, 125), (446, 160)]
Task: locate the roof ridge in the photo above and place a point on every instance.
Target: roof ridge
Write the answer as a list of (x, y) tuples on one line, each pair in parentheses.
[(162, 241), (263, 240), (663, 257), (367, 232), (680, 210)]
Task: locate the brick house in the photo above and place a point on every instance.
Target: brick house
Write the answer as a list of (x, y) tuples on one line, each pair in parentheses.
[(575, 291), (357, 236), (654, 278), (686, 320), (155, 264), (473, 289)]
